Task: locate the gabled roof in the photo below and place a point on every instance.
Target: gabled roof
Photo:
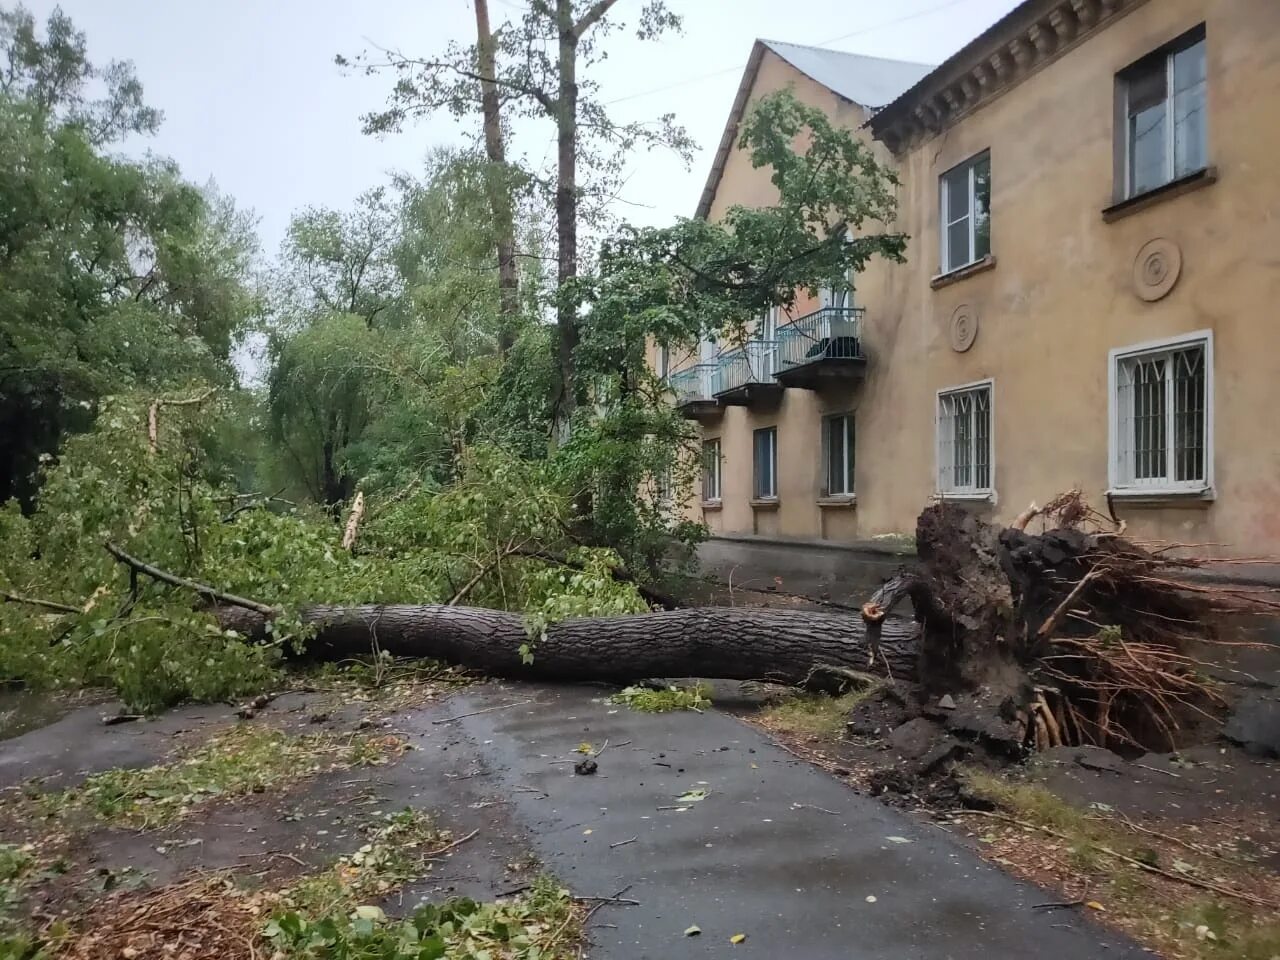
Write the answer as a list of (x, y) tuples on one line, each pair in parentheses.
[(870, 82), (867, 81)]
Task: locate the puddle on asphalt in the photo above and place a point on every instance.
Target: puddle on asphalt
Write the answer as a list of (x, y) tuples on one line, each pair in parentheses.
[(23, 710)]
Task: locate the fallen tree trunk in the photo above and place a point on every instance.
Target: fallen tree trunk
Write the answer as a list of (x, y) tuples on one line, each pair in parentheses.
[(803, 648)]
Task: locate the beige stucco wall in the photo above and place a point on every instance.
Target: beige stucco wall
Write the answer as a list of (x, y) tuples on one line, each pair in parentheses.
[(1062, 294), (798, 415), (1060, 297)]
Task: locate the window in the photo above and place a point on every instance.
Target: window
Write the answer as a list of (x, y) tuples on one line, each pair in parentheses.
[(663, 486), (711, 470), (1165, 106), (965, 206), (837, 455), (766, 463), (664, 361), (1161, 419), (964, 440)]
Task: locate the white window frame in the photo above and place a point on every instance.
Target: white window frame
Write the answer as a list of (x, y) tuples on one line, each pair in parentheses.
[(664, 361), (1118, 484), (712, 475), (972, 492), (849, 455), (772, 492), (944, 232), (1170, 51)]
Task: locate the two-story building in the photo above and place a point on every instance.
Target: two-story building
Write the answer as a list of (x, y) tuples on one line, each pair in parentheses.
[(1092, 192)]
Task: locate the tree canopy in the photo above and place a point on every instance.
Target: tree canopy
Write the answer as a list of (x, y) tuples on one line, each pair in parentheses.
[(401, 438), (112, 272)]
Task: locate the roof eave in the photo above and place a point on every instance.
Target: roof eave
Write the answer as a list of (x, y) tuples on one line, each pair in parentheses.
[(730, 135), (1032, 35)]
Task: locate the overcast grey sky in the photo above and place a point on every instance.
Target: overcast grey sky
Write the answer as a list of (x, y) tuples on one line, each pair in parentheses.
[(252, 97)]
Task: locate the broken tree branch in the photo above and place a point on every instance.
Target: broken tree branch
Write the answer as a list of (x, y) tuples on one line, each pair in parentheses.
[(7, 597), (353, 522), (201, 589), (153, 414)]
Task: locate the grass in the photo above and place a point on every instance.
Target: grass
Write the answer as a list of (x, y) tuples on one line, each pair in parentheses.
[(247, 759), (16, 866), (394, 854), (541, 924), (812, 714), (665, 700), (332, 914), (1179, 920)]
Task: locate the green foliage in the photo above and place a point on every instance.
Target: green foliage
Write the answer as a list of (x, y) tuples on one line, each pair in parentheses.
[(21, 946), (245, 760), (535, 926), (331, 914), (584, 588), (16, 866), (55, 76), (665, 700), (700, 278), (114, 274), (500, 529), (392, 855)]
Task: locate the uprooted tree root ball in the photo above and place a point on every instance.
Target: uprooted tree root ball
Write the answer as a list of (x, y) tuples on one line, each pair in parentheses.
[(1075, 635)]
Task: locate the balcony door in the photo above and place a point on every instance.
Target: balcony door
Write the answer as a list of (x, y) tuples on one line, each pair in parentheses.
[(766, 358)]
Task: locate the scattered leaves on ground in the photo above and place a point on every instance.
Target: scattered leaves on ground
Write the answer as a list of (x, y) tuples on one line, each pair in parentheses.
[(1078, 851), (665, 700), (246, 759)]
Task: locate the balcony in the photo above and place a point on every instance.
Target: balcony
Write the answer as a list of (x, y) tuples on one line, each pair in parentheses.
[(693, 389), (745, 376), (824, 347)]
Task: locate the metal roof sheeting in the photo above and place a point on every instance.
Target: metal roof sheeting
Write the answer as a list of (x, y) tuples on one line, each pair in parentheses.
[(870, 82), (867, 81)]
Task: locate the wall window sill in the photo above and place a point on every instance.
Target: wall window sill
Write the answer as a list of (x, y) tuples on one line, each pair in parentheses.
[(764, 503), (1166, 191), (962, 273), (968, 496), (1155, 497), (712, 504), (841, 501)]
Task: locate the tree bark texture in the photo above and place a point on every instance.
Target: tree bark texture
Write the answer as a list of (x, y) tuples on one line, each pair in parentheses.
[(566, 213), (496, 181), (786, 646)]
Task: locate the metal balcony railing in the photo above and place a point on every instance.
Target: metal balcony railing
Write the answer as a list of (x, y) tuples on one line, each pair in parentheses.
[(755, 362), (692, 383), (832, 333)]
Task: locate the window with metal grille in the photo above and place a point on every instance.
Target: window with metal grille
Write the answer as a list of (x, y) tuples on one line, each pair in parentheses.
[(1165, 105), (965, 212), (766, 463), (964, 440), (837, 455), (711, 470), (1161, 416)]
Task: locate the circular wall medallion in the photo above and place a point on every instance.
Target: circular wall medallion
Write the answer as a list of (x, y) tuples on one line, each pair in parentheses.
[(964, 327), (1156, 268)]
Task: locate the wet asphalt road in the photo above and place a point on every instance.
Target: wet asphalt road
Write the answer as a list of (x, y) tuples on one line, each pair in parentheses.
[(777, 850)]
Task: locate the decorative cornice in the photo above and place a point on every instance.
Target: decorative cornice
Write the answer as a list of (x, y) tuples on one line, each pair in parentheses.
[(1033, 35)]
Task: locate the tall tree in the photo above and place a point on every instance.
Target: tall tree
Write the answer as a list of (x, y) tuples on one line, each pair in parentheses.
[(496, 179), (54, 75), (113, 274), (539, 70)]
